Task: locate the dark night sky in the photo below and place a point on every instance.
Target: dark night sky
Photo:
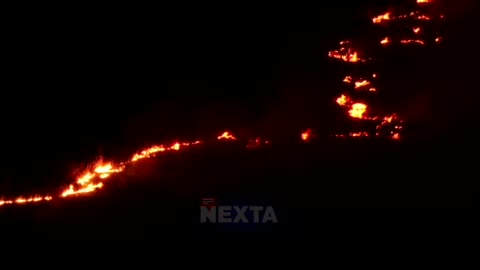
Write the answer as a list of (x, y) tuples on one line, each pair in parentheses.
[(80, 81)]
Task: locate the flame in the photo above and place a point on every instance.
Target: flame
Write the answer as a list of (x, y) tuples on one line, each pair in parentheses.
[(227, 136), (95, 177), (415, 15), (424, 1), (346, 54), (361, 84), (408, 41), (383, 17), (24, 200), (358, 110), (92, 180), (343, 100), (306, 135)]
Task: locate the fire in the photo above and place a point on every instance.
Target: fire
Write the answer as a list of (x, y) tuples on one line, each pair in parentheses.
[(92, 180), (415, 15), (383, 17), (148, 152), (358, 110), (306, 135), (24, 200), (409, 41), (361, 84), (84, 189), (424, 17), (347, 57), (226, 135), (385, 41), (346, 54), (354, 135), (342, 100), (95, 177)]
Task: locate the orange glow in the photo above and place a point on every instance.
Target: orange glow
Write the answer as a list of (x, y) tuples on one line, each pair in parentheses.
[(345, 54), (306, 135), (95, 177), (409, 41), (361, 84), (226, 136), (424, 17), (342, 100), (383, 17), (358, 110), (148, 152), (25, 200)]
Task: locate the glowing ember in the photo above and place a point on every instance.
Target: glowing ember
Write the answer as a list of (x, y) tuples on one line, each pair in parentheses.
[(424, 17), (226, 136), (361, 84), (390, 126), (409, 41), (385, 41), (342, 100), (24, 200), (148, 152), (345, 54), (383, 17), (306, 135), (358, 110)]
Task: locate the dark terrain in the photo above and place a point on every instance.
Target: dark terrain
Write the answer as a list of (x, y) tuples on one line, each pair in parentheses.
[(81, 87), (315, 191)]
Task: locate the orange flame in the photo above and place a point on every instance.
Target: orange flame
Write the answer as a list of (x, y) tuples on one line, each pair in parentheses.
[(94, 178), (358, 110), (226, 135), (383, 17), (306, 135)]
